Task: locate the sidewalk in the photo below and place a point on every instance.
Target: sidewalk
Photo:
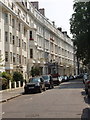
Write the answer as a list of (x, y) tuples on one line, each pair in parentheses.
[(6, 95)]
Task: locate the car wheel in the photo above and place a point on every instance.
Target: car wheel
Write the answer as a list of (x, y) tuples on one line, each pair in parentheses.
[(25, 91), (44, 88), (40, 90), (50, 87), (86, 91)]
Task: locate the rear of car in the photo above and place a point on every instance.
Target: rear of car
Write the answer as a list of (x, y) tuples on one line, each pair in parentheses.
[(48, 81), (35, 84), (56, 79)]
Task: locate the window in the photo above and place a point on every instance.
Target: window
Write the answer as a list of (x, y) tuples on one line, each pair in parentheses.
[(10, 19), (0, 34), (0, 16), (19, 12), (10, 57), (25, 60), (13, 39), (19, 43), (12, 6), (19, 27), (6, 18), (19, 59), (6, 56), (10, 37), (30, 34), (14, 57), (31, 53), (24, 31), (24, 46), (22, 43), (13, 23), (6, 36)]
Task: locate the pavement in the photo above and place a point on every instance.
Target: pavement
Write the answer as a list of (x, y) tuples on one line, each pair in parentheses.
[(6, 95)]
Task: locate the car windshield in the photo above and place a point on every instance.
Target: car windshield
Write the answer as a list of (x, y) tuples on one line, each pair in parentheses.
[(45, 77), (34, 80)]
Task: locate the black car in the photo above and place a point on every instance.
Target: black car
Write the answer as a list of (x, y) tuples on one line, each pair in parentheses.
[(87, 85), (48, 81), (35, 84)]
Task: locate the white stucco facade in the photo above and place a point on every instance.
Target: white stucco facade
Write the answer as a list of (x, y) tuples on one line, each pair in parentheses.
[(28, 38)]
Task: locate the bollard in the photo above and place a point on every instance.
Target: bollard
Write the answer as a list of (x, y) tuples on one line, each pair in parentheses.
[(19, 83), (23, 84), (14, 84), (10, 85)]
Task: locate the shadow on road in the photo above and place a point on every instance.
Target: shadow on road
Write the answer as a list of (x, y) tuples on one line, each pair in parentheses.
[(73, 84)]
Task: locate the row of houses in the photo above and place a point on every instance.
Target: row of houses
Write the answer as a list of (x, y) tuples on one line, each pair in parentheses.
[(28, 38)]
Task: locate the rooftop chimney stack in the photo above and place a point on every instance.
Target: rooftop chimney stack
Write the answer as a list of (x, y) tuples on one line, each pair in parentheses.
[(53, 23), (60, 29), (35, 4), (42, 11)]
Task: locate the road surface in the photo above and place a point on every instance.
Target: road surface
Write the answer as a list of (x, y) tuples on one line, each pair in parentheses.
[(68, 100)]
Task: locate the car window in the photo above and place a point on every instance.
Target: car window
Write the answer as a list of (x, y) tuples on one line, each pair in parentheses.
[(33, 80), (45, 77)]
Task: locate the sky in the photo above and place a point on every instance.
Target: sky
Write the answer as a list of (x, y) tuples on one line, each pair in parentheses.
[(59, 11)]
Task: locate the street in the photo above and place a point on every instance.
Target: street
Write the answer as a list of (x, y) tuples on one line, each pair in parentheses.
[(68, 100)]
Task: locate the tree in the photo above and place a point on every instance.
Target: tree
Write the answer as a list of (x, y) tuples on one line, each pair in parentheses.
[(35, 71), (17, 76), (80, 28)]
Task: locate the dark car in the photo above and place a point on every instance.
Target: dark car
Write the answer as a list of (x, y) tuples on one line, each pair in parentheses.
[(87, 85), (56, 80), (35, 84), (65, 78), (48, 81)]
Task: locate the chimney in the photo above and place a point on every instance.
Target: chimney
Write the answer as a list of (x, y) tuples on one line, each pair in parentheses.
[(65, 33), (42, 11), (60, 29), (35, 4), (53, 23)]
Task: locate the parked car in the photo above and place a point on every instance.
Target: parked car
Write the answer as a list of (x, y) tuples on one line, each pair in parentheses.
[(56, 78), (87, 85), (35, 84), (65, 78), (71, 77), (60, 79), (85, 77), (48, 81)]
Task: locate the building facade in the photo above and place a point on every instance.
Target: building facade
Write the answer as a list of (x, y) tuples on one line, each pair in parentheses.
[(28, 38)]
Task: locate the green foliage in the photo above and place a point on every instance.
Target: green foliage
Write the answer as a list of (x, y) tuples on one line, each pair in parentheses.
[(5, 79), (80, 28), (35, 71), (4, 83), (17, 76), (6, 75)]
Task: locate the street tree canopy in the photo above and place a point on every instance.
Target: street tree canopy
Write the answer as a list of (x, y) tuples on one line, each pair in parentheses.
[(80, 29)]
